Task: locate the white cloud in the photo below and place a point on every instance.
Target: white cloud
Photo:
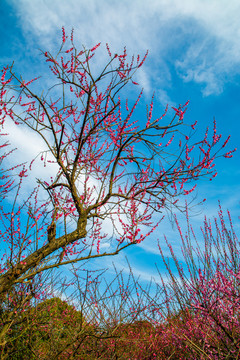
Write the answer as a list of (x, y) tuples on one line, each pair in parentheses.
[(205, 33), (28, 146), (28, 143), (164, 99)]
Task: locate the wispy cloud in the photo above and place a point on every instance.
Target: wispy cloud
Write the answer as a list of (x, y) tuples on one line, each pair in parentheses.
[(201, 38)]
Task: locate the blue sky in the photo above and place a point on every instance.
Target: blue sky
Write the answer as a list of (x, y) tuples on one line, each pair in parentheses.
[(194, 54)]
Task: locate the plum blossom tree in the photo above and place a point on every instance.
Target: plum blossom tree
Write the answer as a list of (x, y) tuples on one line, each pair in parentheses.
[(107, 166), (205, 295)]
